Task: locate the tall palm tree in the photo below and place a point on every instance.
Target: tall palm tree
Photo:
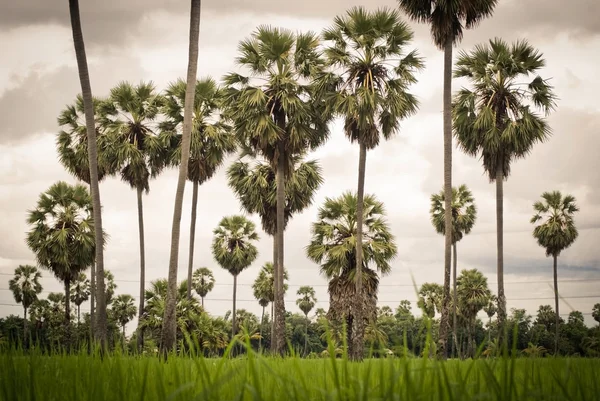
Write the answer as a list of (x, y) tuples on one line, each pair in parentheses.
[(473, 295), (203, 282), (124, 310), (447, 20), (497, 119), (62, 234), (25, 286), (129, 118), (306, 303), (275, 114), (170, 327), (556, 232), (233, 248), (332, 246), (367, 85), (464, 214), (211, 141), (100, 326), (80, 292)]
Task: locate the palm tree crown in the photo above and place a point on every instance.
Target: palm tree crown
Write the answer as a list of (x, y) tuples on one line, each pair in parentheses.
[(25, 285), (497, 118), (233, 245), (557, 230), (464, 212), (203, 281), (307, 299)]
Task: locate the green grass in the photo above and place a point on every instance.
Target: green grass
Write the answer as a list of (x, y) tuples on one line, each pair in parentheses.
[(85, 377)]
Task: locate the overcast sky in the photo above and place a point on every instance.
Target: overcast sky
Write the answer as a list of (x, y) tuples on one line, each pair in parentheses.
[(147, 40)]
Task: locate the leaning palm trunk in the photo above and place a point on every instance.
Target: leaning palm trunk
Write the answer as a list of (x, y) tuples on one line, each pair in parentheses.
[(140, 207), (443, 338), (99, 326), (169, 329), (455, 301), (500, 250), (359, 324), (556, 304), (279, 321), (192, 240)]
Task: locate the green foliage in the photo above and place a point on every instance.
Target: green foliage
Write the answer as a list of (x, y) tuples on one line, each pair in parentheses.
[(123, 310), (25, 285), (464, 212), (307, 299), (203, 281), (233, 244), (557, 230)]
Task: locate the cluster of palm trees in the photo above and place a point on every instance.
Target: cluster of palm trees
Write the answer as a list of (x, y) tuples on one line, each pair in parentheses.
[(358, 70)]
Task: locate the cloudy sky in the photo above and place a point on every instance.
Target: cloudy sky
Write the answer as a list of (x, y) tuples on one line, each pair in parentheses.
[(147, 40)]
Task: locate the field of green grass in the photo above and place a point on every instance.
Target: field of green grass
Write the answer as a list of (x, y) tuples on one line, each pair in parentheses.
[(84, 377)]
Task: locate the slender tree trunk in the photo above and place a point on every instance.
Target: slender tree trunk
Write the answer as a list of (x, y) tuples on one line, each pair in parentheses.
[(279, 303), (202, 298), (262, 321), (140, 207), (454, 306), (100, 326), (443, 335), (192, 239), (500, 251), (67, 301), (234, 301), (306, 336), (358, 332), (470, 340), (169, 329), (275, 275), (92, 290), (123, 335), (25, 334), (556, 304), (78, 315)]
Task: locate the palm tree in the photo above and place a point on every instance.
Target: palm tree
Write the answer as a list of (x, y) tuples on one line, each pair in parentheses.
[(62, 234), (367, 84), (447, 20), (490, 310), (497, 119), (556, 232), (110, 286), (80, 292), (25, 286), (430, 299), (211, 141), (596, 312), (124, 310), (306, 303), (233, 248), (464, 214), (473, 295), (169, 334), (264, 289), (134, 147), (332, 246), (100, 326), (203, 281), (275, 114)]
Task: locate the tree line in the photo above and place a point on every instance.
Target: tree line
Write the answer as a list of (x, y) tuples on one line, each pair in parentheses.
[(359, 70)]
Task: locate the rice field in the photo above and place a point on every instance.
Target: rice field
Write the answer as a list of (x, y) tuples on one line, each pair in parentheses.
[(83, 377)]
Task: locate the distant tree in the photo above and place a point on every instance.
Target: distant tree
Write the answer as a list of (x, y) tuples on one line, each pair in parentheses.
[(124, 310), (490, 310), (203, 282), (80, 292), (556, 232), (473, 296), (25, 286), (430, 298), (306, 303), (596, 313)]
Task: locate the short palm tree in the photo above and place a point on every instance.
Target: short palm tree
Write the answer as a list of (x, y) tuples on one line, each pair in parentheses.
[(306, 303), (129, 118), (203, 282), (123, 310), (490, 310), (62, 234), (260, 290), (473, 295), (332, 246), (497, 118), (264, 289), (233, 248), (556, 232), (275, 114), (367, 84), (464, 214), (99, 326), (447, 20), (80, 292), (211, 141), (25, 286), (430, 299)]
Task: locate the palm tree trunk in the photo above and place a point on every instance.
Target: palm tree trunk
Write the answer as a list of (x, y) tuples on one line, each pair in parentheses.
[(279, 303), (470, 339), (202, 302), (192, 239), (169, 329), (306, 335), (140, 207), (234, 301), (67, 301), (556, 304), (359, 324), (275, 275), (454, 306), (262, 321), (500, 250), (443, 338), (78, 315), (25, 335), (100, 326), (92, 295)]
